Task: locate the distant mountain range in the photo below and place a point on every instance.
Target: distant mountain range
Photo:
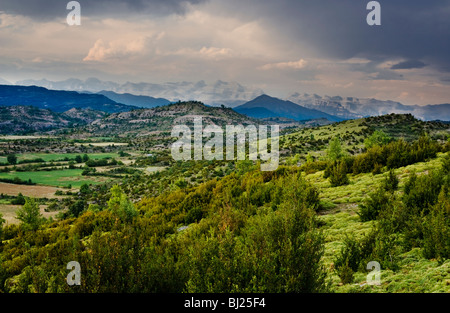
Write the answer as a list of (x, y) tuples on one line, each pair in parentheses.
[(133, 100), (215, 94), (265, 106), (118, 98), (57, 100), (350, 107)]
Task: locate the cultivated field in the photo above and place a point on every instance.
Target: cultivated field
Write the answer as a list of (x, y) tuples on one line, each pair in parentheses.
[(57, 178), (34, 191), (9, 213)]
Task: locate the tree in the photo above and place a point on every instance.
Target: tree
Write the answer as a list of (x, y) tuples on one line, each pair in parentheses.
[(436, 241), (391, 182), (84, 189), (12, 159), (20, 200), (76, 208), (338, 174), (348, 260), (120, 205), (421, 192), (85, 158), (378, 138), (334, 151), (78, 159), (30, 214), (374, 204)]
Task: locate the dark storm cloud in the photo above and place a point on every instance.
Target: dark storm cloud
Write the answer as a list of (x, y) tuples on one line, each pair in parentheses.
[(407, 65), (410, 29), (52, 9)]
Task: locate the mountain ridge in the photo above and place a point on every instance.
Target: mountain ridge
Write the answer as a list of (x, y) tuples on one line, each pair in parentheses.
[(352, 107), (215, 94), (57, 100), (135, 100), (266, 106)]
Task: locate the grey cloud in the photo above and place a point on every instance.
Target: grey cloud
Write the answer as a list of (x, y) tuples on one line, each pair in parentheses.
[(374, 71), (406, 65), (52, 9), (410, 29), (386, 75)]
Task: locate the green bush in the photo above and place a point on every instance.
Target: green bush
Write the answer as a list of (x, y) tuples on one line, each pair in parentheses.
[(30, 215), (391, 182), (348, 260), (338, 174), (436, 229), (422, 191), (371, 206), (20, 200)]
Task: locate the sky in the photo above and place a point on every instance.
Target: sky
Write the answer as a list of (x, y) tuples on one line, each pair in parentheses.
[(285, 46)]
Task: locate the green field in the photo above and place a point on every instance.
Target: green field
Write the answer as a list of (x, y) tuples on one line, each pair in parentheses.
[(47, 157), (58, 178)]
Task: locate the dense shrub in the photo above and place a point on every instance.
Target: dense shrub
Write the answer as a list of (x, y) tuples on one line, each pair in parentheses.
[(395, 154), (337, 173), (436, 241), (371, 206), (20, 200), (422, 191), (391, 182), (348, 260)]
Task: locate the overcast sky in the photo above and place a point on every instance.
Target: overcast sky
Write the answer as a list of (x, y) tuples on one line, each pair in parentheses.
[(283, 46)]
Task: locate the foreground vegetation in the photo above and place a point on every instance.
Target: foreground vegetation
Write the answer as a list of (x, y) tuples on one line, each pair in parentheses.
[(313, 225)]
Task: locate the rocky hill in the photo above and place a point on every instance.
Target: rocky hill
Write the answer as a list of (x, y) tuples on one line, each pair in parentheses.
[(162, 119), (28, 119)]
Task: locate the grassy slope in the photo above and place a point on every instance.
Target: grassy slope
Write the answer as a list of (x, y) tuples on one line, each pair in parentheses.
[(417, 274), (353, 132)]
